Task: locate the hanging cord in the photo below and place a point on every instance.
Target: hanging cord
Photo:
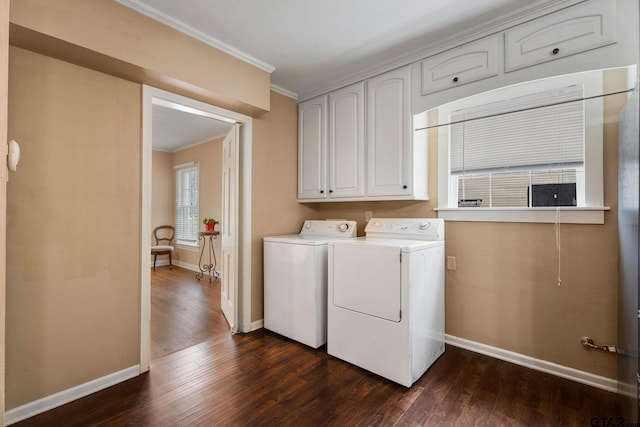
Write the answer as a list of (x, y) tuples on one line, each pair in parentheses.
[(558, 246)]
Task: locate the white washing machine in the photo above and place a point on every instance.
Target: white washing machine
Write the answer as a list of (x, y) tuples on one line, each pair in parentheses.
[(295, 280), (386, 298)]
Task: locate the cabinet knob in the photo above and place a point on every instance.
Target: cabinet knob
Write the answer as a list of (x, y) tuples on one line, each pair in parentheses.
[(555, 51), (330, 191), (455, 80), (404, 187), (321, 191)]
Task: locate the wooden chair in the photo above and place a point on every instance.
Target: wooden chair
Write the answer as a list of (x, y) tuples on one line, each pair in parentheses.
[(163, 234)]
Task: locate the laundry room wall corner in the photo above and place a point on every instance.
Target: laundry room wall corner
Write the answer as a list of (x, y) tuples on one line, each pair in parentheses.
[(274, 206)]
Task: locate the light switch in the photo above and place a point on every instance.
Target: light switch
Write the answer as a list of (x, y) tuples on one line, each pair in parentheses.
[(451, 263)]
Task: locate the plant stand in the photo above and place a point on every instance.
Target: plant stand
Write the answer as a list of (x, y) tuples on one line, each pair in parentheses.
[(207, 238)]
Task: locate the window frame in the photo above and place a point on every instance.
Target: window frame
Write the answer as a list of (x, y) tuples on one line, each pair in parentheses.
[(593, 210), (189, 243)]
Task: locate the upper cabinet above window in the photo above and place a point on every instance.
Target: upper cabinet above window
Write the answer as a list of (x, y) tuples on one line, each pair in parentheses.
[(583, 27), (585, 36), (469, 63)]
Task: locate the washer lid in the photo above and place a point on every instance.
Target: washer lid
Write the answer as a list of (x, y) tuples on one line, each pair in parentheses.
[(299, 239)]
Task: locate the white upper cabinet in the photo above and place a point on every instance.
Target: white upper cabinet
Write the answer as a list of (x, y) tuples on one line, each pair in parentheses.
[(468, 63), (346, 142), (342, 159), (312, 143), (389, 135), (577, 29)]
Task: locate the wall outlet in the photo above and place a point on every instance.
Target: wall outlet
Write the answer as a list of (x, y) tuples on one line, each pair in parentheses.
[(451, 263)]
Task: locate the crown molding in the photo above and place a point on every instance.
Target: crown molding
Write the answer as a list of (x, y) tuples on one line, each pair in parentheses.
[(196, 34), (498, 24), (285, 92)]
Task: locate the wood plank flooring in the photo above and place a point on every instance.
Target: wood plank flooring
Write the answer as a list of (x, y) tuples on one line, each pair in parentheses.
[(184, 311), (263, 379)]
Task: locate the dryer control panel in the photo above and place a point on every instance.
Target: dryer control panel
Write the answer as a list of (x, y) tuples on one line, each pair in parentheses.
[(330, 227), (406, 228)]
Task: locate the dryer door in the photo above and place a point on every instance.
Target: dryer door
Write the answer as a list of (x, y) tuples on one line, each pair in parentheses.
[(366, 279)]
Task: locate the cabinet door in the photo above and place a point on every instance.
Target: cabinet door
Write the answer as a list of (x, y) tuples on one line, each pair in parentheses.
[(312, 136), (346, 142), (388, 134), (567, 32), (469, 63)]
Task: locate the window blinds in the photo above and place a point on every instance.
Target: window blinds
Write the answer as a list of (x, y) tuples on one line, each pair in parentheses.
[(187, 203), (550, 136)]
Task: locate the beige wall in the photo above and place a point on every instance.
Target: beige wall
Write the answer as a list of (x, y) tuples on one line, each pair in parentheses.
[(109, 37), (73, 217), (70, 322), (504, 291), (4, 72), (162, 189), (275, 176)]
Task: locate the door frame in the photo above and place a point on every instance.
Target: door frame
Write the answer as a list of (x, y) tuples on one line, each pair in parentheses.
[(151, 96)]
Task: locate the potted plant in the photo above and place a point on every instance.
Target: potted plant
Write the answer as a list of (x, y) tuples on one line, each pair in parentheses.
[(210, 223)]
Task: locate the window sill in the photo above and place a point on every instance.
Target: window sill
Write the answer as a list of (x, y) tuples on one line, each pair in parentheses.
[(565, 215)]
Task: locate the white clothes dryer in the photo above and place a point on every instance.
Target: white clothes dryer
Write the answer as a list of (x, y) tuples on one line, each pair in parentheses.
[(386, 298), (295, 280)]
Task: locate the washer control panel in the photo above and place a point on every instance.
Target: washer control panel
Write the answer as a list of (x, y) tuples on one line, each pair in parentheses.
[(330, 227), (406, 228)]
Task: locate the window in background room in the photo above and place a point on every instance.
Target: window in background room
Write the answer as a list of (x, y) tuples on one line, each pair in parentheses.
[(187, 199)]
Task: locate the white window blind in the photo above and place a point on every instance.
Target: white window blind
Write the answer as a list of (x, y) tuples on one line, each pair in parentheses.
[(500, 150), (187, 200), (545, 137)]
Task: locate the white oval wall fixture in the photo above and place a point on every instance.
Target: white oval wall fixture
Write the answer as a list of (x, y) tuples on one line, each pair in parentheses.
[(13, 157)]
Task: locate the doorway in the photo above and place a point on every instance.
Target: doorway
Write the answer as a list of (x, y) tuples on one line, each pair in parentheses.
[(238, 216)]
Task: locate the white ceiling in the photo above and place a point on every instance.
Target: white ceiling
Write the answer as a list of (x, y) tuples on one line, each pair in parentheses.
[(312, 44), (174, 129)]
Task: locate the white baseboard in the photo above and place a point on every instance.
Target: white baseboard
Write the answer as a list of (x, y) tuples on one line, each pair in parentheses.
[(186, 266), (537, 364), (256, 325), (39, 406)]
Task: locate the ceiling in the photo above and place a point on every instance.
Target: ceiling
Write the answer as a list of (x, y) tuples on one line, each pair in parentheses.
[(310, 46), (174, 130)]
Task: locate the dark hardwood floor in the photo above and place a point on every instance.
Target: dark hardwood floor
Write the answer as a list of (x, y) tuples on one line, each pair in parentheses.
[(184, 311), (263, 379)]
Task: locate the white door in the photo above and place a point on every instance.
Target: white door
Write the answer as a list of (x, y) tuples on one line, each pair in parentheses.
[(229, 234)]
